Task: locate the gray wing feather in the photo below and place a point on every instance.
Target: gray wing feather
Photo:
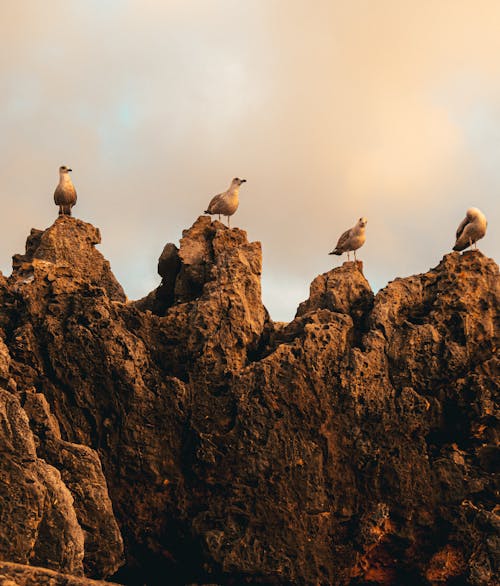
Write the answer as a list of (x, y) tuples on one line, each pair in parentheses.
[(461, 227), (213, 202), (343, 240)]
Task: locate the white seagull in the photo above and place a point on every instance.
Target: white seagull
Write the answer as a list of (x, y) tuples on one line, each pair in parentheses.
[(226, 203), (65, 193), (471, 229), (351, 239)]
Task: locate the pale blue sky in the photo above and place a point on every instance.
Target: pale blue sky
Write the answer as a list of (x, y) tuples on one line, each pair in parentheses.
[(331, 110)]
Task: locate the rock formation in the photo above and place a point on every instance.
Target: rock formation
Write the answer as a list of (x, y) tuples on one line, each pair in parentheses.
[(187, 439), (21, 575)]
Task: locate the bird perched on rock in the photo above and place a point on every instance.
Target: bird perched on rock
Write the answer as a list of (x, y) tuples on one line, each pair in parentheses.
[(65, 193), (351, 239), (471, 229), (226, 203)]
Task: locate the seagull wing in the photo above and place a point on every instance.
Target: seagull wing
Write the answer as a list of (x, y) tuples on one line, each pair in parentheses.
[(213, 205), (58, 195), (461, 227), (343, 240)]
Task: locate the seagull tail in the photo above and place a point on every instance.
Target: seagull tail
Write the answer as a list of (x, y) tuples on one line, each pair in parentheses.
[(461, 244), (336, 251)]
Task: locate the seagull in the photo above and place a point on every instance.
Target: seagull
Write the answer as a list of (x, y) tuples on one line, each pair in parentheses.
[(65, 193), (472, 228), (351, 239), (226, 203)]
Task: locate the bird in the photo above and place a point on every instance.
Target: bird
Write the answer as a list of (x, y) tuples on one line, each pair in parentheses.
[(226, 203), (471, 229), (351, 239), (65, 193)]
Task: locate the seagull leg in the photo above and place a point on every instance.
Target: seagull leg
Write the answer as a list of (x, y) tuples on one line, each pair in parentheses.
[(229, 221), (348, 257), (355, 259)]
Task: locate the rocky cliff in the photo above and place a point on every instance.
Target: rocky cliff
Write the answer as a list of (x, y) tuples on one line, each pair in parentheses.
[(187, 439)]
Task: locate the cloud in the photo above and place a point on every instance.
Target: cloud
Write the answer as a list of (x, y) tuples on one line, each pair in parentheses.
[(384, 109)]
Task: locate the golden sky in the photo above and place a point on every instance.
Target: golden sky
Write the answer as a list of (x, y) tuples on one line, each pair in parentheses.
[(330, 109)]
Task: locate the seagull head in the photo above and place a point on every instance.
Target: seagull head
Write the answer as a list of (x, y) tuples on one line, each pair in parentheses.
[(236, 181), (64, 169), (473, 213), (362, 222)]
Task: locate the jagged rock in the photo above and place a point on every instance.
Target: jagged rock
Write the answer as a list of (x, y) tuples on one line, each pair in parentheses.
[(217, 320), (59, 264), (342, 290), (20, 575), (355, 445), (4, 362), (65, 255), (81, 471), (159, 300), (39, 524)]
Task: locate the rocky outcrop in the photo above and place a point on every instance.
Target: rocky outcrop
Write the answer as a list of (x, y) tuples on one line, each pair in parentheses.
[(357, 444), (63, 254), (56, 512), (39, 523), (18, 575)]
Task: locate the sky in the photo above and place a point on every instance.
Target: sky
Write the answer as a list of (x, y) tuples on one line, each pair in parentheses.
[(331, 110)]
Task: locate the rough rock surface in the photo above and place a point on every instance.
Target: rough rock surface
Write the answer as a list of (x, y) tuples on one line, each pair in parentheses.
[(356, 445), (18, 575), (55, 507)]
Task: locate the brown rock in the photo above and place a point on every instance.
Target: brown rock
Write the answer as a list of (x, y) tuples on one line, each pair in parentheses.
[(4, 362), (445, 564), (39, 524), (355, 445), (66, 252), (81, 471), (343, 290), (20, 575)]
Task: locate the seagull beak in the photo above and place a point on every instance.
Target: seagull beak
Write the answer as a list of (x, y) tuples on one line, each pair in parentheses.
[(243, 180), (70, 169)]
